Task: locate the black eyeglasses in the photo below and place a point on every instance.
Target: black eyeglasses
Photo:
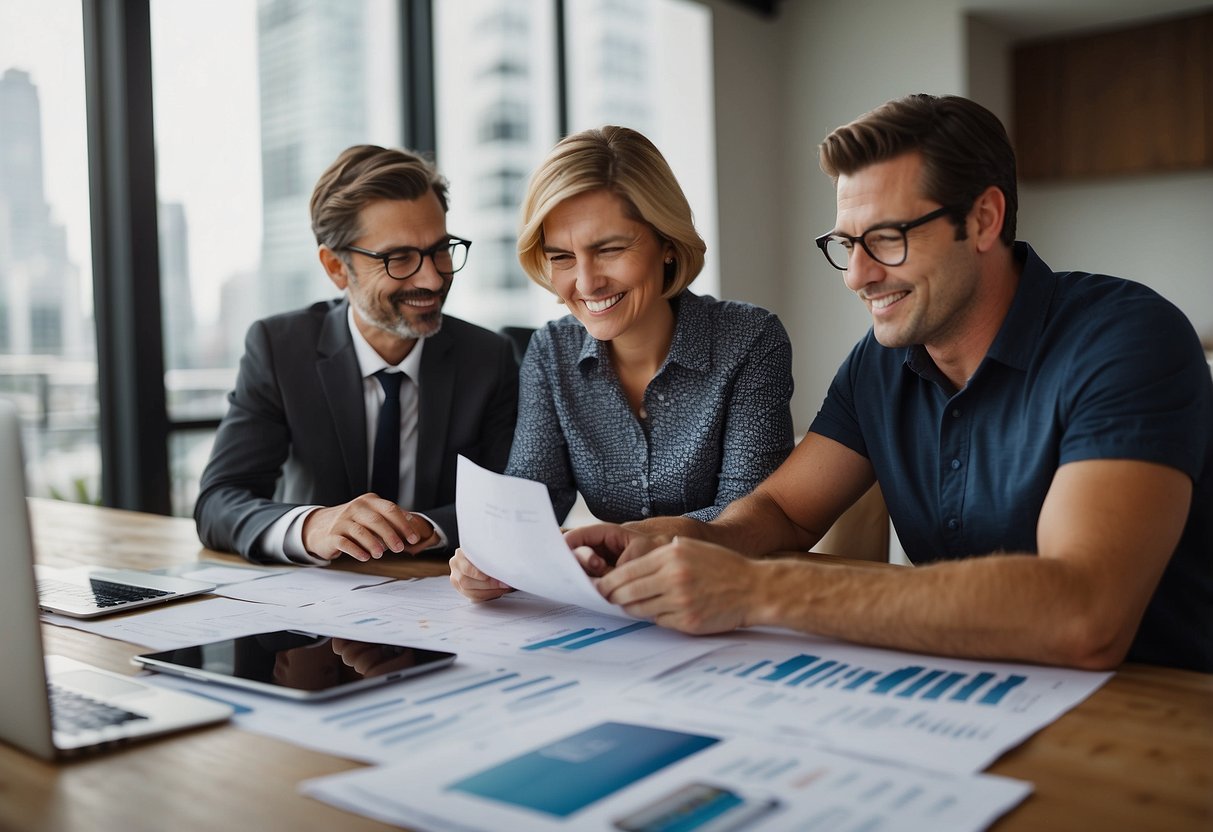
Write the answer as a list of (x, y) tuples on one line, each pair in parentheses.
[(449, 256), (886, 244)]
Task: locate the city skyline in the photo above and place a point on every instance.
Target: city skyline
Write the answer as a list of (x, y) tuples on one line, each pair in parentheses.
[(234, 176)]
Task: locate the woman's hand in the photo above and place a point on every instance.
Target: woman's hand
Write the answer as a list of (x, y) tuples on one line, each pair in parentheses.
[(473, 583), (605, 545)]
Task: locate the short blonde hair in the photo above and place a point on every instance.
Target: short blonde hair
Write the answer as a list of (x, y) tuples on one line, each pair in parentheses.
[(625, 163)]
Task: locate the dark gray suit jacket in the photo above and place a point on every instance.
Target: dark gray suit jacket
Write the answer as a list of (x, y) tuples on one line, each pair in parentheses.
[(295, 430)]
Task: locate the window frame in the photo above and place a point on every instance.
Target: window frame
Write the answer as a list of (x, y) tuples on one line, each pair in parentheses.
[(135, 426)]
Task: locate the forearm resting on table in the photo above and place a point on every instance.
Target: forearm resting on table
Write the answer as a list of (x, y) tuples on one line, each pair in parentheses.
[(1007, 606)]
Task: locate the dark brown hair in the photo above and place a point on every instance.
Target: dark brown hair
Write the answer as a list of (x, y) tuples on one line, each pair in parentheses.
[(964, 147)]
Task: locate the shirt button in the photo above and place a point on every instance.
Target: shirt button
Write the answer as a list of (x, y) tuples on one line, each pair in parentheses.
[(635, 482), (956, 413), (955, 464), (953, 524)]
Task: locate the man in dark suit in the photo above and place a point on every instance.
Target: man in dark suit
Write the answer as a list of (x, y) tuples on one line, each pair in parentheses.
[(291, 476)]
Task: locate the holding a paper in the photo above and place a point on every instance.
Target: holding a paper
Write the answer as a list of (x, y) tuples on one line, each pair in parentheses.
[(508, 529), (1045, 452), (646, 399)]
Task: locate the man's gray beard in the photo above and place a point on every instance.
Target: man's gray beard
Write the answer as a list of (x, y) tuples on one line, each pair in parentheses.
[(400, 327)]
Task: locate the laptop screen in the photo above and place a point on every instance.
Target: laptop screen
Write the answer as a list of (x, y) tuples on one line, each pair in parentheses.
[(25, 719)]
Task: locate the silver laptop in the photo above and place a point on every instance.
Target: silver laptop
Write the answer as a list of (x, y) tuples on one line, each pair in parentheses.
[(91, 708), (91, 591)]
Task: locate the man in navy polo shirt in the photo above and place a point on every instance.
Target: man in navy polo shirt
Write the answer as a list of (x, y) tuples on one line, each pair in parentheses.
[(1044, 440)]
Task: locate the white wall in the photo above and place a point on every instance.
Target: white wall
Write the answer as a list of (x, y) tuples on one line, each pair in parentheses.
[(790, 81), (1154, 229), (749, 74), (782, 84)]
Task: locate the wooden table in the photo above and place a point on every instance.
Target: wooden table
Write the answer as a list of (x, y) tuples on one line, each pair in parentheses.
[(1138, 755)]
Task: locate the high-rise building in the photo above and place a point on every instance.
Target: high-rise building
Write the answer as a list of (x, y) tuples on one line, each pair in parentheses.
[(180, 346), (311, 76), (612, 73), (497, 120), (39, 295)]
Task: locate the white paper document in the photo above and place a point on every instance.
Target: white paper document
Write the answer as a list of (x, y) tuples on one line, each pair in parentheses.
[(181, 625), (614, 771), (220, 574), (300, 586), (508, 530), (948, 714), (468, 700), (429, 612), (426, 612)]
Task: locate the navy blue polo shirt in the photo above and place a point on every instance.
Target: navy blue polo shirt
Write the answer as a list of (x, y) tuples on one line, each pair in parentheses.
[(1085, 366)]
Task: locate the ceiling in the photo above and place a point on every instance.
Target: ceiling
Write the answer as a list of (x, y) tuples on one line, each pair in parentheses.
[(767, 7)]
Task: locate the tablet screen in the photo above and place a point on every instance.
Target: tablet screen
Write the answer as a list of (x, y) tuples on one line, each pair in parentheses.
[(297, 664)]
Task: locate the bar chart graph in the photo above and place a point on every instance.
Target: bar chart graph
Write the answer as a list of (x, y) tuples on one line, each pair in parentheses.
[(585, 637), (952, 713), (805, 670)]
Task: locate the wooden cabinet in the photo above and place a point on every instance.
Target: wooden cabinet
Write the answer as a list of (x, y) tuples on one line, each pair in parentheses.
[(1130, 101)]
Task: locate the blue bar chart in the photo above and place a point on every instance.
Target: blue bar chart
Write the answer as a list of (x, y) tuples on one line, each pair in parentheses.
[(913, 682), (586, 637), (947, 713)]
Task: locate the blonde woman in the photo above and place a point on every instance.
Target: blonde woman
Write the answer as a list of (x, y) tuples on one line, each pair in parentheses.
[(647, 399)]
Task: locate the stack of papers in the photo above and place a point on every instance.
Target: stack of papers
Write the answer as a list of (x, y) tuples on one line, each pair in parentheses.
[(562, 713)]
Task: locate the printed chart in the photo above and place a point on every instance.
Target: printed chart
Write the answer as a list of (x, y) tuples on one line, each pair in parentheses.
[(958, 715), (648, 775), (430, 613), (398, 720)]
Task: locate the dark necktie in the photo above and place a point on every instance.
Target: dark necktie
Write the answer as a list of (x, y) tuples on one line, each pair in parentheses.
[(385, 467)]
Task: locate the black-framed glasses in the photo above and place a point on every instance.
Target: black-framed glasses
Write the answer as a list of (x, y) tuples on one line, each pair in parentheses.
[(449, 256), (887, 244)]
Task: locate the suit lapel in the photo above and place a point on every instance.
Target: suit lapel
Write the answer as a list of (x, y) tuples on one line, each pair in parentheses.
[(341, 380), (436, 392)]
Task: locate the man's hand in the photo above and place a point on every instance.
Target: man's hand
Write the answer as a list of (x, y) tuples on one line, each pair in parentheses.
[(603, 545), (473, 583), (686, 585), (365, 528)]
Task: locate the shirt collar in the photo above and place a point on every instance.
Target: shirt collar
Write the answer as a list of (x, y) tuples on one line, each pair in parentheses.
[(690, 317), (1017, 338), (691, 323), (371, 362), (1019, 335)]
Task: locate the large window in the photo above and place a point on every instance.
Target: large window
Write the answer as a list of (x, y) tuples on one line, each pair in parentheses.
[(647, 64), (240, 141), (496, 118), (644, 64), (249, 101), (47, 356)]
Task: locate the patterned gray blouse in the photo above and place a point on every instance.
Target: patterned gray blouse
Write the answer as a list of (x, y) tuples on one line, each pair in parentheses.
[(716, 416)]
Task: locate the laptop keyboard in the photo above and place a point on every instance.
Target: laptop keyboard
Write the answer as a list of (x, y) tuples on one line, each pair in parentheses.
[(72, 712), (101, 593)]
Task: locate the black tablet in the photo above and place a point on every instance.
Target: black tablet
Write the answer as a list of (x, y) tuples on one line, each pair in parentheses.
[(296, 664)]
